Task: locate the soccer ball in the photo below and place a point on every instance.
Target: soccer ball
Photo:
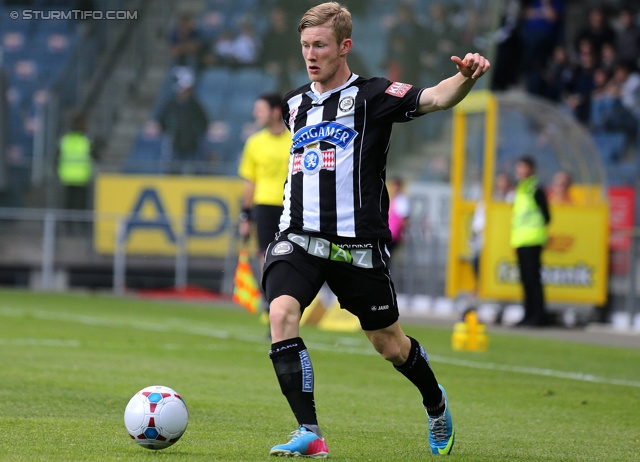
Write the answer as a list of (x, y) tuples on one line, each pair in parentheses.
[(156, 417)]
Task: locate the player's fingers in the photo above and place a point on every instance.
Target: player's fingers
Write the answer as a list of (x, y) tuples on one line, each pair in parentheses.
[(457, 61), (471, 60), (482, 66), (465, 66)]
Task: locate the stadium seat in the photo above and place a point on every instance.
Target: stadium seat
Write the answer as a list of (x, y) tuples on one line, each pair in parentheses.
[(25, 26), (212, 90), (59, 26), (52, 54), (611, 146), (15, 47), (147, 155), (249, 81), (622, 173)]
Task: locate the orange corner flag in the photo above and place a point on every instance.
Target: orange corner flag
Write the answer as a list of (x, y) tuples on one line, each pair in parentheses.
[(245, 288)]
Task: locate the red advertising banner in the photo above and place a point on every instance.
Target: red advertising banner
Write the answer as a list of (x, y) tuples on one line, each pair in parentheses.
[(621, 210), (621, 219)]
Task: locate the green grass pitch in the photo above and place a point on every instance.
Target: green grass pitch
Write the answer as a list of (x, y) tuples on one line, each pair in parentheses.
[(70, 363)]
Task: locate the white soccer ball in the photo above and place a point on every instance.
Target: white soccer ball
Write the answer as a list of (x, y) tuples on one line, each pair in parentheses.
[(156, 417)]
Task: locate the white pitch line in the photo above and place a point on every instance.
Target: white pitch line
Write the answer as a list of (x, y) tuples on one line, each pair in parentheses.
[(176, 326), (534, 371), (48, 342)]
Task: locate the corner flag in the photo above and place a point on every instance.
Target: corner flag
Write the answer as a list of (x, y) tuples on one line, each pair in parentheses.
[(245, 288)]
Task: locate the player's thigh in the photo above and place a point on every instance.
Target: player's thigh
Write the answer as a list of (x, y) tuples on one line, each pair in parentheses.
[(367, 293), (289, 270)]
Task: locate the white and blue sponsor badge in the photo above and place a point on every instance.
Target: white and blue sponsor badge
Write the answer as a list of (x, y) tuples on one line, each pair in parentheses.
[(311, 161)]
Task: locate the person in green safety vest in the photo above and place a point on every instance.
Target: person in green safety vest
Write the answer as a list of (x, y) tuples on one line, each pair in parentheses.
[(75, 165), (529, 219)]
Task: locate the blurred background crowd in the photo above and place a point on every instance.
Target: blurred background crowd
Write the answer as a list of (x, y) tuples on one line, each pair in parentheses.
[(170, 88)]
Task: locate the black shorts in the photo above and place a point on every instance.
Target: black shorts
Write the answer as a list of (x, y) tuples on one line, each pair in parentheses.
[(267, 219), (367, 293)]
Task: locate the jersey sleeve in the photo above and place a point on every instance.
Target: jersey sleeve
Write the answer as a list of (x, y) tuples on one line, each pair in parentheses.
[(393, 101)]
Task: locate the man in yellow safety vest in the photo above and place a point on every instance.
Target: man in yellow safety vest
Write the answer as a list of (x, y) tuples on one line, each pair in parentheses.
[(75, 165), (529, 219)]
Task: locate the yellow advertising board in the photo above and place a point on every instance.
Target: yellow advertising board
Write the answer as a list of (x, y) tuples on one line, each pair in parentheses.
[(574, 261), (155, 211)]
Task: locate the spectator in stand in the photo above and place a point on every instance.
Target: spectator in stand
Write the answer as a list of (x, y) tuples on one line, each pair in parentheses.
[(608, 57), (608, 113), (403, 60), (405, 46), (602, 97), (509, 48), (560, 190), (627, 76), (541, 32), (280, 49), (222, 50), (184, 120), (579, 99), (558, 75), (597, 32), (439, 34), (627, 43), (185, 43), (246, 46)]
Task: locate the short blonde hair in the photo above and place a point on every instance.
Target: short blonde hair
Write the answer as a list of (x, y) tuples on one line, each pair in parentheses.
[(333, 12)]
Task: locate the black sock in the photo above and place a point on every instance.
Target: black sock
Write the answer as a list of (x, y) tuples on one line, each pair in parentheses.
[(295, 375), (418, 371)]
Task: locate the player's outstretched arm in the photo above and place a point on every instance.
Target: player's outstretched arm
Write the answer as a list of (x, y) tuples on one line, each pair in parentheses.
[(451, 91)]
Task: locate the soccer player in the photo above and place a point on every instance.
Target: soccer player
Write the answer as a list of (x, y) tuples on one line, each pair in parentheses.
[(334, 226)]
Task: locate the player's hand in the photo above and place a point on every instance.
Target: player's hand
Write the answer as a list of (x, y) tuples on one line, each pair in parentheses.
[(473, 66), (244, 229)]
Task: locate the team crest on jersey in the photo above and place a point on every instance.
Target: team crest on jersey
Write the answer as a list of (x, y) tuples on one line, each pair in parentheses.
[(398, 89), (346, 103), (282, 248), (311, 161)]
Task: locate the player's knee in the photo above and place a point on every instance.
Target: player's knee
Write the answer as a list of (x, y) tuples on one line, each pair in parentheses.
[(391, 353), (387, 349), (284, 311)]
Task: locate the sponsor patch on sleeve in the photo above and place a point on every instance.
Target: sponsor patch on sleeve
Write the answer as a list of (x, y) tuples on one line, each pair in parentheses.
[(398, 89)]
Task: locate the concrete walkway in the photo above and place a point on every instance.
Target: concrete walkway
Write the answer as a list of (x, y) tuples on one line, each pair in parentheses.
[(593, 333)]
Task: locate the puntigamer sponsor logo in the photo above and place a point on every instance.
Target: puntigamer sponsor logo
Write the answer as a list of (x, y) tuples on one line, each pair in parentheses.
[(331, 132), (307, 372)]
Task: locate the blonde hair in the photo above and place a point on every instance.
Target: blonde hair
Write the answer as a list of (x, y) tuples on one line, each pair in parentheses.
[(333, 12)]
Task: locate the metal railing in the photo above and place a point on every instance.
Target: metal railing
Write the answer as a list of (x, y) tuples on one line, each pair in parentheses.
[(56, 250)]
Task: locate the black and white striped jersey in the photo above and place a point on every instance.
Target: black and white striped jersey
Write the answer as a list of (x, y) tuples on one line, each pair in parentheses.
[(340, 140)]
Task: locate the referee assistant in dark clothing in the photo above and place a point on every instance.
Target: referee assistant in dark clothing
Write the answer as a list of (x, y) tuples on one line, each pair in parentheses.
[(529, 220)]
